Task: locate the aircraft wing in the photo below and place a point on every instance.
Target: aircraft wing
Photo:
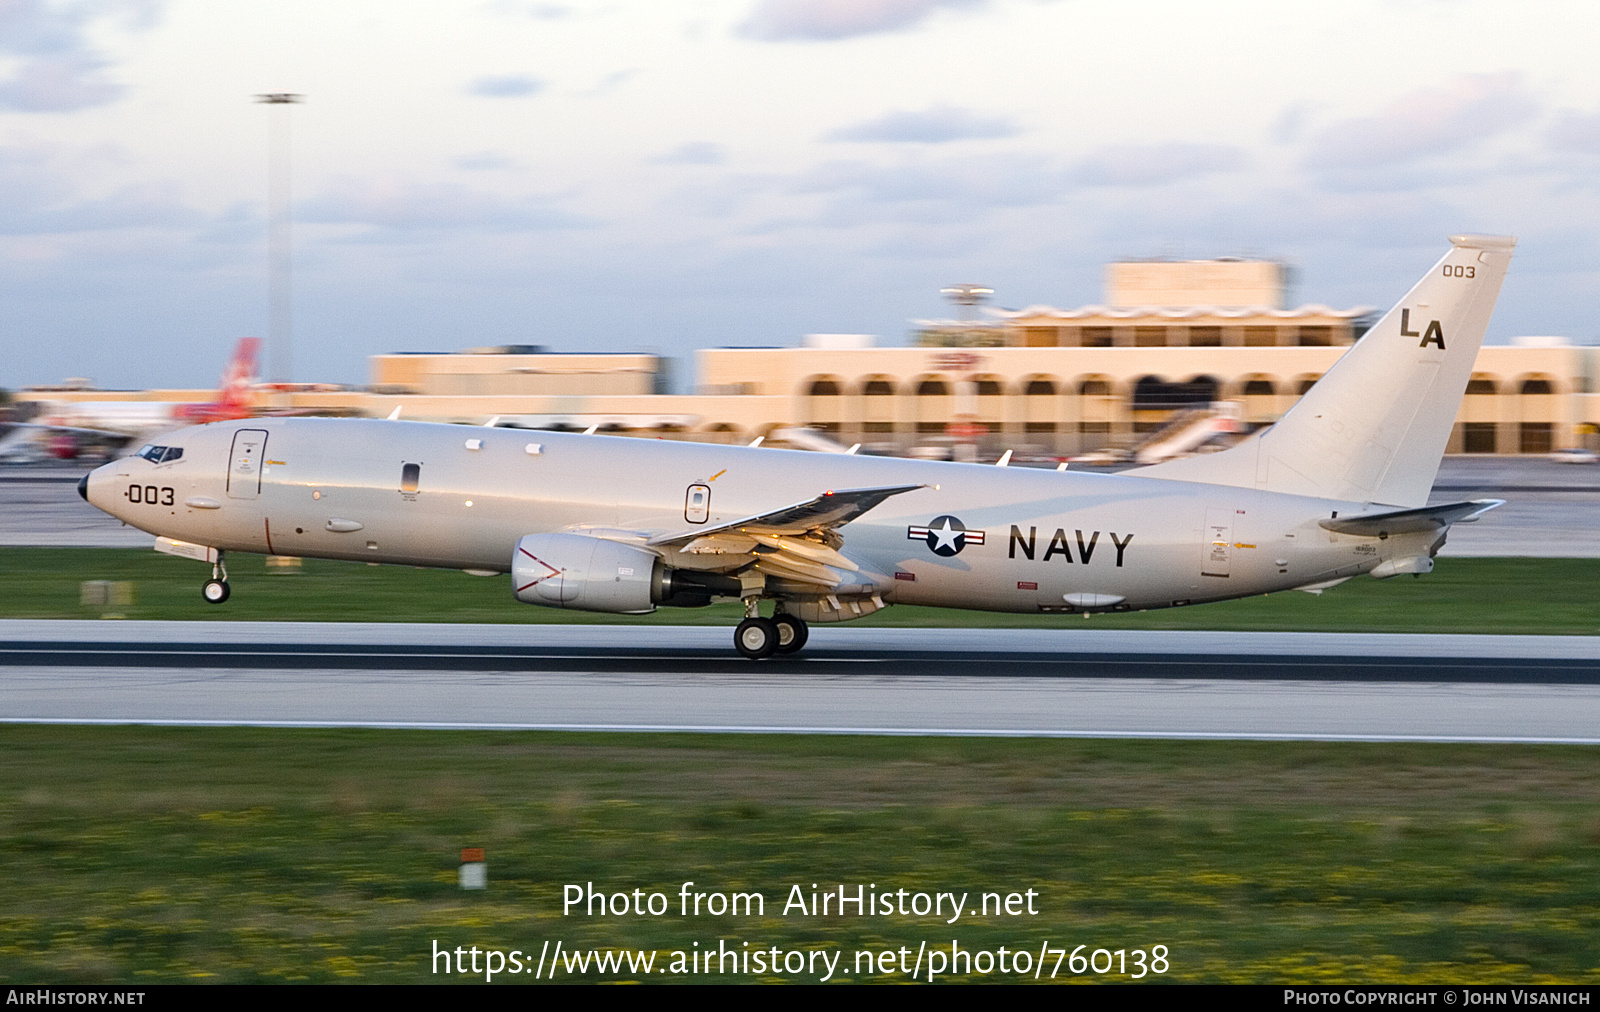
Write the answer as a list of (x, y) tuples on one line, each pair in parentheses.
[(1427, 518), (825, 512), (799, 542)]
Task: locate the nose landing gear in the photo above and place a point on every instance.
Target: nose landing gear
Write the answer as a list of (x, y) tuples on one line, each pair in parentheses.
[(216, 589), (758, 638)]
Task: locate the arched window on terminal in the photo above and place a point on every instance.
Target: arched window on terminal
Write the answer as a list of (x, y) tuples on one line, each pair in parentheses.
[(1039, 407), (932, 416)]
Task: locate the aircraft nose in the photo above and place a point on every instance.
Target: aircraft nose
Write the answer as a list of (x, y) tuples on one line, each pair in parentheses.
[(83, 487)]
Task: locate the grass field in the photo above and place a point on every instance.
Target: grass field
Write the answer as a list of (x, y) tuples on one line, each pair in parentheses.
[(246, 854), (150, 854), (1461, 595)]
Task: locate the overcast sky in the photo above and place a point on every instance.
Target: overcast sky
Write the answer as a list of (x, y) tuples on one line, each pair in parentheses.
[(620, 175)]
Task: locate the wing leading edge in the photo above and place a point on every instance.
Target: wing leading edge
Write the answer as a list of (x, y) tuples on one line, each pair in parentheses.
[(826, 512), (799, 542)]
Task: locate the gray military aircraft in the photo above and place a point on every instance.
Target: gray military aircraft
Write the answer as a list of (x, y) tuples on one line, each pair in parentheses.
[(1338, 487)]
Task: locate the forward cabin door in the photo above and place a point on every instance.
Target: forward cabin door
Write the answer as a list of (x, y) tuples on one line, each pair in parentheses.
[(244, 464)]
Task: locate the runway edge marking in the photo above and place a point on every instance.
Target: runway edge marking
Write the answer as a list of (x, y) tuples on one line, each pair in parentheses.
[(902, 732)]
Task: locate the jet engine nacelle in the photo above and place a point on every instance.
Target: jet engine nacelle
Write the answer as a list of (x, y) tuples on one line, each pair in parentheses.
[(590, 574)]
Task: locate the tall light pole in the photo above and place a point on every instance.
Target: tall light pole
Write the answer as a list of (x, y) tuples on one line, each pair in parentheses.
[(280, 239), (967, 298)]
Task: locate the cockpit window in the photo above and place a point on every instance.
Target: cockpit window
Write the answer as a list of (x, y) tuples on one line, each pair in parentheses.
[(159, 454)]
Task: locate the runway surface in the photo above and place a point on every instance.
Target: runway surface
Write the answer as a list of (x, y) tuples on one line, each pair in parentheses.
[(966, 682), (41, 506), (1552, 510)]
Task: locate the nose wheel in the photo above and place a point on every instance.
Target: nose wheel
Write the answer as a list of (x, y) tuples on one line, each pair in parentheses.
[(216, 589)]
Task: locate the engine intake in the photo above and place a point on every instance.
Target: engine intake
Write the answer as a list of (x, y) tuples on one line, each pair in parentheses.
[(588, 574)]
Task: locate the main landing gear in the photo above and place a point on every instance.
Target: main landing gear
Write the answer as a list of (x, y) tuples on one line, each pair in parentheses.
[(216, 589), (758, 638)]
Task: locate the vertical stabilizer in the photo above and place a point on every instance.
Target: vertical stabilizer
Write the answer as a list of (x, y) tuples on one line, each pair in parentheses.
[(1375, 426), (234, 391)]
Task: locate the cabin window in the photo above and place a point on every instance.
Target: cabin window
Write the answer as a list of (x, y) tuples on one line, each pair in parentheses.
[(410, 476)]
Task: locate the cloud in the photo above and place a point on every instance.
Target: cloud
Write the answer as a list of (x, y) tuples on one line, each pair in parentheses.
[(36, 199), (693, 153), (1432, 121), (1290, 122), (506, 86), (481, 160), (1574, 131), (57, 68), (956, 189), (935, 125), (39, 196), (1009, 180), (829, 20), (610, 82), (541, 11), (1154, 164), (395, 204)]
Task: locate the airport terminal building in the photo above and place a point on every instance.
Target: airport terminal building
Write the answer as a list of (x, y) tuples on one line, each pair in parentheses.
[(1169, 336)]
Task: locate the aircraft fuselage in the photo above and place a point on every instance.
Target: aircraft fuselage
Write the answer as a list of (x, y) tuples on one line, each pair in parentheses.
[(1002, 539)]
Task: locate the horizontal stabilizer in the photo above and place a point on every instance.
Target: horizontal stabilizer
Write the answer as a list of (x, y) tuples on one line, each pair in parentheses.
[(1428, 518), (830, 509)]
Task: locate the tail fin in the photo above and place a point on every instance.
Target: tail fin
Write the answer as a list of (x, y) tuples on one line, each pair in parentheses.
[(234, 391), (1374, 427)]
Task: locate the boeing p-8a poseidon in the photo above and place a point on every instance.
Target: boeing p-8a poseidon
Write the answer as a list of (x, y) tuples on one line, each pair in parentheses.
[(1336, 488)]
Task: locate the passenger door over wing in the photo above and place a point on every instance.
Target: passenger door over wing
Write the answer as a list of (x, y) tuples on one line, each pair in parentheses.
[(1216, 549)]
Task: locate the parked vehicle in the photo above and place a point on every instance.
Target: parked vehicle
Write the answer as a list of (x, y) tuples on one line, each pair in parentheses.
[(1575, 455)]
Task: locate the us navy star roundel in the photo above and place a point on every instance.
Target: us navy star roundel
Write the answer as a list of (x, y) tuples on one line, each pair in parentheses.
[(946, 536)]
